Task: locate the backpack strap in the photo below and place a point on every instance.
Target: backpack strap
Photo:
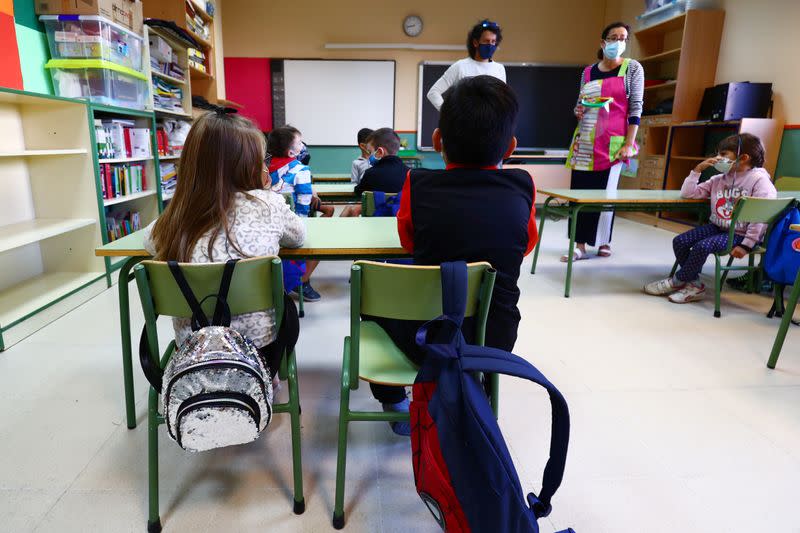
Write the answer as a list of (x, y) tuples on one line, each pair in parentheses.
[(454, 290), (447, 327), (288, 333), (492, 360), (222, 312)]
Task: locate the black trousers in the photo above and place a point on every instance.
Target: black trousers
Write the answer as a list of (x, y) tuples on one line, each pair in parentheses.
[(586, 228), (501, 333)]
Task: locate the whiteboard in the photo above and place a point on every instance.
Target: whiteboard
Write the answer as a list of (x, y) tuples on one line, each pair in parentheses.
[(330, 100)]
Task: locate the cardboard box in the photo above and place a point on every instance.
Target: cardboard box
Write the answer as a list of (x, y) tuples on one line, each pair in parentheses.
[(126, 13)]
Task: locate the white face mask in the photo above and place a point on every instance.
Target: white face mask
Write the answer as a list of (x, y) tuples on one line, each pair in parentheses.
[(724, 165), (614, 50)]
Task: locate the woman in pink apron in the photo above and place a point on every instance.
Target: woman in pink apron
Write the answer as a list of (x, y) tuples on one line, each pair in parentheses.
[(609, 109)]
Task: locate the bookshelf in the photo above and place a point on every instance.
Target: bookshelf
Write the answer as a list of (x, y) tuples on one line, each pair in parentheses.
[(49, 224), (192, 17)]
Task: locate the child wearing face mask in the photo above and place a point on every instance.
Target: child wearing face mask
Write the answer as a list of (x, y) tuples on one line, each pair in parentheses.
[(361, 163), (739, 163)]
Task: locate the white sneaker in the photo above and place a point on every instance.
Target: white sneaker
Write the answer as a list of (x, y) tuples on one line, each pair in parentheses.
[(690, 293), (663, 287)]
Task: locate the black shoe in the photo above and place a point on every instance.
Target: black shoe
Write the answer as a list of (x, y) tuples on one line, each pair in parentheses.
[(309, 294)]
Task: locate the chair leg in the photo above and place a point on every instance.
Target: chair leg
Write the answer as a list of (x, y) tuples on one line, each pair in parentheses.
[(674, 269), (153, 519), (717, 286), (725, 272), (300, 308), (341, 453), (294, 412), (785, 322)]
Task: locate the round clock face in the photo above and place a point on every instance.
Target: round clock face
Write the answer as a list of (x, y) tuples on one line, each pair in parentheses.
[(412, 25)]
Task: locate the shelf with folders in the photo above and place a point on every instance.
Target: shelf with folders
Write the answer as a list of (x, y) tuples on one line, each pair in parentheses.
[(49, 223), (169, 78), (126, 171)]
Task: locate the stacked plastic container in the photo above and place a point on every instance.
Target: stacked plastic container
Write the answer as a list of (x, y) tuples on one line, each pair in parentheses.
[(96, 59)]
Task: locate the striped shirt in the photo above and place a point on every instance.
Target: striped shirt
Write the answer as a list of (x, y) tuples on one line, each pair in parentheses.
[(634, 87), (295, 178)]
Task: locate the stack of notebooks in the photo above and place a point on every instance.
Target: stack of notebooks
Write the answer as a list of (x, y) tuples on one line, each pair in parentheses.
[(167, 96), (170, 69), (196, 23), (120, 224), (197, 59), (119, 139), (122, 179), (169, 179)]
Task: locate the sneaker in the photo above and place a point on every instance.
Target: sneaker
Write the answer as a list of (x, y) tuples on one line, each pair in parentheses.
[(309, 294), (663, 287), (690, 293), (400, 428)]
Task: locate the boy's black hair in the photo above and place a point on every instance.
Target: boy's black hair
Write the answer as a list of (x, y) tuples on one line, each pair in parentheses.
[(280, 140), (363, 135), (385, 138), (477, 121), (476, 32), (750, 145), (607, 30)]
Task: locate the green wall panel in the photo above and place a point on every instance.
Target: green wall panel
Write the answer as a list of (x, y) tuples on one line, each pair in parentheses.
[(24, 15), (33, 54), (789, 159)]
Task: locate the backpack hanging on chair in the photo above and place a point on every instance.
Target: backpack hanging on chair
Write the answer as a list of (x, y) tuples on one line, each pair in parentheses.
[(782, 259), (386, 206), (216, 389), (462, 468)]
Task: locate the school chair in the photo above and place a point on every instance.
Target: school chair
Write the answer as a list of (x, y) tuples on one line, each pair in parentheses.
[(257, 285), (752, 211), (787, 183), (403, 293), (788, 314), (368, 202)]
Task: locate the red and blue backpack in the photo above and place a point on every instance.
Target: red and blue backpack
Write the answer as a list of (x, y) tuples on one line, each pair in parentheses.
[(462, 468)]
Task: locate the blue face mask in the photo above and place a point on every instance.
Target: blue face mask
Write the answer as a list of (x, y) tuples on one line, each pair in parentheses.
[(614, 50), (373, 160), (486, 51)]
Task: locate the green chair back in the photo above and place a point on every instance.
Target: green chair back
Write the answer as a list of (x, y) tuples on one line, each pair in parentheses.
[(257, 285), (368, 202), (787, 183), (760, 210)]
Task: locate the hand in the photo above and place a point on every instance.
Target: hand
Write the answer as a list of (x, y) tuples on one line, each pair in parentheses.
[(315, 202), (710, 162), (579, 111), (739, 252), (626, 152)]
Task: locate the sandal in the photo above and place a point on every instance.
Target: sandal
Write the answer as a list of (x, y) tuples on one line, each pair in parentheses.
[(604, 251), (577, 256)]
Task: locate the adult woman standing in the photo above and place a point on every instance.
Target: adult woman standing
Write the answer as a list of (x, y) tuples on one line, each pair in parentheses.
[(482, 42), (609, 110)]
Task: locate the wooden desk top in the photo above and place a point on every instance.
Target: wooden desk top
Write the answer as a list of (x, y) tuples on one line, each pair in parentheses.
[(623, 196)]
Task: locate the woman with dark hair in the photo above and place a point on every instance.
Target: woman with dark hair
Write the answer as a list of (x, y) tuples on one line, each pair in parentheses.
[(609, 109), (482, 42)]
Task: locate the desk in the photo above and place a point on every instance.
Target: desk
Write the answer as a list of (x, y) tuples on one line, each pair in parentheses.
[(330, 178), (336, 192), (594, 201), (326, 238), (788, 312)]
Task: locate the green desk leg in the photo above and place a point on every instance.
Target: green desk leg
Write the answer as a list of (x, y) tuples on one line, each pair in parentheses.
[(573, 229), (541, 230), (786, 321), (125, 335)]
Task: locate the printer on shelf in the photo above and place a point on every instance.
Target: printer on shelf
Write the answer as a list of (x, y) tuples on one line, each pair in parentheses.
[(736, 100)]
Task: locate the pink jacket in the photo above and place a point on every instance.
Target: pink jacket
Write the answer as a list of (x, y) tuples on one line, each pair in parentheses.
[(755, 183)]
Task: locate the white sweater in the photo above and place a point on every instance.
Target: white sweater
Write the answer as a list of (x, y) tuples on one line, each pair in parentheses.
[(463, 68)]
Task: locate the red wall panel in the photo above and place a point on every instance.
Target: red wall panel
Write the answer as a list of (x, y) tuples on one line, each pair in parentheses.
[(248, 81)]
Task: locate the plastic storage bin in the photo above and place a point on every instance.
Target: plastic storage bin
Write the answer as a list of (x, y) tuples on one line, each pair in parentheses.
[(92, 37), (98, 81)]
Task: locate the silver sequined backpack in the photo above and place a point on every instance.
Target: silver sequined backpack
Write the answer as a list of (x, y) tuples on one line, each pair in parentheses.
[(216, 389)]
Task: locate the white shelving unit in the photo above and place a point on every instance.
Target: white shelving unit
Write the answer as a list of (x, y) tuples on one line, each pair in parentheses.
[(125, 160), (49, 223), (128, 198)]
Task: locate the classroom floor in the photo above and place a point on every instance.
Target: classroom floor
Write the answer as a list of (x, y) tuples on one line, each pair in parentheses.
[(677, 424)]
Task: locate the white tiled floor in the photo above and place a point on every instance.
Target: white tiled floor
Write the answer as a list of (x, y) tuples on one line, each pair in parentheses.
[(677, 424)]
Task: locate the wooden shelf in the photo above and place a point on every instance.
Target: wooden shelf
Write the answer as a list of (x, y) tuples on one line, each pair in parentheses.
[(203, 42), (31, 231), (35, 153), (666, 85), (174, 113), (673, 24), (663, 56), (197, 73), (127, 198), (168, 157), (35, 293), (167, 77), (200, 11), (125, 160), (689, 157)]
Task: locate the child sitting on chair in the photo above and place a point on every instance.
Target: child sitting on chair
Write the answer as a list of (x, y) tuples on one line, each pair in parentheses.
[(223, 209), (739, 163), (361, 163)]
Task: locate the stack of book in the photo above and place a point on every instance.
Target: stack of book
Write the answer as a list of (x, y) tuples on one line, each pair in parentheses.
[(120, 224), (196, 23), (169, 179), (122, 179), (197, 59), (119, 139), (170, 69), (167, 96)]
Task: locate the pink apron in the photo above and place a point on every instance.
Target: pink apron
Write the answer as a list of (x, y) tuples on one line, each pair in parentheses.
[(601, 133)]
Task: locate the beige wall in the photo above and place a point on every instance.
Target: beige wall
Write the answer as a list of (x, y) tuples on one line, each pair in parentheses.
[(760, 43), (552, 31)]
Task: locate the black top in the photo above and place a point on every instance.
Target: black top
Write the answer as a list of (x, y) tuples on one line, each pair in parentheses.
[(387, 175), (597, 74)]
